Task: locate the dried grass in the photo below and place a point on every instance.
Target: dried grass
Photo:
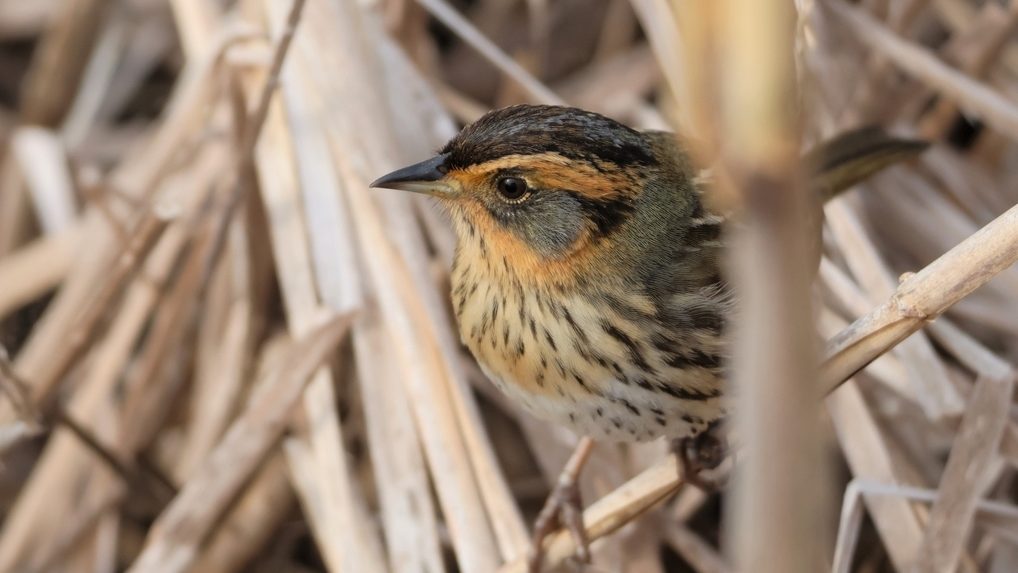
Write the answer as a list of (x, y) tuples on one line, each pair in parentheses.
[(226, 354)]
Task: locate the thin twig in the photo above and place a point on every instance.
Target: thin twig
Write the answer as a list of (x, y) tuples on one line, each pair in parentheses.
[(922, 297)]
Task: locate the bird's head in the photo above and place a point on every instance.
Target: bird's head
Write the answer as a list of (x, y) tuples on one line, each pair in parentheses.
[(538, 182)]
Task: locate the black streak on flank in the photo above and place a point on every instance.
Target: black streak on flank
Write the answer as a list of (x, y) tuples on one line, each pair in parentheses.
[(576, 328), (582, 350), (634, 349), (696, 358), (583, 383), (629, 406), (709, 320), (561, 368), (550, 339), (684, 394), (702, 233)]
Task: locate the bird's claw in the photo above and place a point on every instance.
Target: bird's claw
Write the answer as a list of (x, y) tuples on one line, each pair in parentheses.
[(562, 508), (701, 454)]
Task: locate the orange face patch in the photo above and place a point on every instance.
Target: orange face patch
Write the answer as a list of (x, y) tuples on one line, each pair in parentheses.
[(523, 263)]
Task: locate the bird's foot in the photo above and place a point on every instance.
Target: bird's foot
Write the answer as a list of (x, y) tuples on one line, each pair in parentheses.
[(701, 455), (563, 508)]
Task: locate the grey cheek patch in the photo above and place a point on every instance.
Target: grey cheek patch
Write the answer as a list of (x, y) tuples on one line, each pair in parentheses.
[(552, 225)]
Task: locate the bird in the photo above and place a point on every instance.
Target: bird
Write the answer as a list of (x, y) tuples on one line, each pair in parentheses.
[(588, 274)]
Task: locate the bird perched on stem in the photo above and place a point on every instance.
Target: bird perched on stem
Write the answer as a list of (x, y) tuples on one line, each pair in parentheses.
[(587, 279)]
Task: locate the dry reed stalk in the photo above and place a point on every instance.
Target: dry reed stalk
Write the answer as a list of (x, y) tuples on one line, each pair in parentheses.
[(177, 535), (219, 385), (922, 297), (197, 22), (864, 446), (60, 61), (657, 18), (317, 459), (25, 19), (96, 80), (254, 518), (927, 374), (993, 515), (695, 550), (778, 517), (967, 474), (36, 268), (42, 160), (408, 512), (14, 207), (280, 192)]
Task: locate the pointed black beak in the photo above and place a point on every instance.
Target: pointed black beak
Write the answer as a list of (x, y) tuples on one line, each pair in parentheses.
[(424, 177)]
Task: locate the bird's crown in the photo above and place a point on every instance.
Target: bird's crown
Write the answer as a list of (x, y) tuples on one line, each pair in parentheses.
[(572, 133)]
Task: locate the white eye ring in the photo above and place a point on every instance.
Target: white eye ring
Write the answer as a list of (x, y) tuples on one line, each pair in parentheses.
[(513, 189)]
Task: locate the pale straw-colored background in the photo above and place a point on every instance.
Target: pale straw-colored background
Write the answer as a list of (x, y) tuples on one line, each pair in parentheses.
[(224, 353)]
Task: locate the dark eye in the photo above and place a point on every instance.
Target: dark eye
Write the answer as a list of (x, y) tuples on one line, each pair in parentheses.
[(512, 188)]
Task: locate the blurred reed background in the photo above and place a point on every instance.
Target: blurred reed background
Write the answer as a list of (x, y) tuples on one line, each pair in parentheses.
[(223, 353)]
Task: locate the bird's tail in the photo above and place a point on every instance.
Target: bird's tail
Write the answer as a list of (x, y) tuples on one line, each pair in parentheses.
[(838, 164)]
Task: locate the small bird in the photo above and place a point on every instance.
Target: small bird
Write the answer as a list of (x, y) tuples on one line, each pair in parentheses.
[(587, 278)]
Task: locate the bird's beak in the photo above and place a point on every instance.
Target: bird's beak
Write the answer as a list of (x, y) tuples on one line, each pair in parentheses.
[(425, 177)]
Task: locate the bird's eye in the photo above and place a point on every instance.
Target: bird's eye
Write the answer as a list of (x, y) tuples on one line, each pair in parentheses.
[(512, 188)]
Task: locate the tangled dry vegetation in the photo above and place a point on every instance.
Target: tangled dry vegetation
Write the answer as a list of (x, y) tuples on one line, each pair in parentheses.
[(222, 352)]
